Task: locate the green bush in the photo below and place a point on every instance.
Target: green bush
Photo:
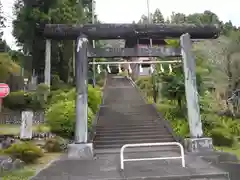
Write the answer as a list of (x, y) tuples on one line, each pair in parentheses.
[(145, 84), (221, 129), (180, 127), (57, 83), (61, 118), (176, 117), (100, 82), (61, 115), (25, 151), (100, 79), (21, 100), (55, 144), (222, 137), (94, 97), (208, 123), (60, 95), (15, 100)]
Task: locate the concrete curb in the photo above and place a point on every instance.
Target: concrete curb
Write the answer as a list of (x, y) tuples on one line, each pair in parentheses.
[(45, 167), (92, 134)]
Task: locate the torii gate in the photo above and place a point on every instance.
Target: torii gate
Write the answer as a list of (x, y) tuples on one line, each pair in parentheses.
[(84, 33)]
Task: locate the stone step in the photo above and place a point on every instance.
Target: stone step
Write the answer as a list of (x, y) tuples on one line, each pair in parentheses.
[(122, 130), (123, 111), (127, 120), (122, 114), (131, 141), (132, 133), (103, 123), (132, 126), (144, 150), (109, 146), (122, 137)]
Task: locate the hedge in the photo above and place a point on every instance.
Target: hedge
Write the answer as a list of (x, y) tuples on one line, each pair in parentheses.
[(61, 116)]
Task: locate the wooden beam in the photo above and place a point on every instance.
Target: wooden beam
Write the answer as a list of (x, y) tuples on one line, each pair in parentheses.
[(125, 31), (134, 52)]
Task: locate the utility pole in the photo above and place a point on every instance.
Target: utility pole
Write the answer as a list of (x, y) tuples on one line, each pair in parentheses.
[(148, 9), (93, 21)]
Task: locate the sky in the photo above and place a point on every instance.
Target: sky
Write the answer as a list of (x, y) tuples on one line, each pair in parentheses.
[(127, 11)]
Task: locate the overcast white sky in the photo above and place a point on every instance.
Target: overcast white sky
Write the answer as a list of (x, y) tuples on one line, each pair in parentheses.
[(126, 11)]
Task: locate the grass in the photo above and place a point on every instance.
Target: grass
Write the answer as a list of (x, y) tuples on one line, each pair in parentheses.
[(31, 170), (15, 129)]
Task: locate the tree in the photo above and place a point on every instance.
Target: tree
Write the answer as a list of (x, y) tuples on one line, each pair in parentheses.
[(2, 21), (232, 65), (208, 17), (32, 14), (227, 28), (144, 20), (3, 44), (158, 17), (178, 18)]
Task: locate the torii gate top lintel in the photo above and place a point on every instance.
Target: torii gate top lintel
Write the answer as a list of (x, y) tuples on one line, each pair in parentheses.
[(126, 31)]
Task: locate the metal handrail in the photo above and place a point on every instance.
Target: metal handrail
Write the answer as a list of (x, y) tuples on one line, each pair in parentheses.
[(122, 160)]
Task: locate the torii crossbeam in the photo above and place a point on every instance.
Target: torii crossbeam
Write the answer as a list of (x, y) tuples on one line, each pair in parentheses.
[(125, 31)]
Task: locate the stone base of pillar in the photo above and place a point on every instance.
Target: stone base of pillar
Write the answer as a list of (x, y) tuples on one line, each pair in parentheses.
[(198, 144), (80, 151)]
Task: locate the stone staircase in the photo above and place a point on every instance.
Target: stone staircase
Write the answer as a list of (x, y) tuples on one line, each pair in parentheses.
[(126, 119)]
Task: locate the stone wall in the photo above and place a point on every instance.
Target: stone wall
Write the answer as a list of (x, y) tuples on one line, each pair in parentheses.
[(15, 117)]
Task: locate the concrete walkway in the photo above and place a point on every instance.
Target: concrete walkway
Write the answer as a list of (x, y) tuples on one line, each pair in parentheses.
[(107, 167)]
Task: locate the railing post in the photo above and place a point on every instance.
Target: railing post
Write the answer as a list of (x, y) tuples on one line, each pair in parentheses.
[(122, 158)]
